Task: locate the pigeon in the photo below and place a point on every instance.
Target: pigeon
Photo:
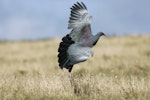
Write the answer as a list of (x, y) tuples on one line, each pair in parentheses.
[(76, 46)]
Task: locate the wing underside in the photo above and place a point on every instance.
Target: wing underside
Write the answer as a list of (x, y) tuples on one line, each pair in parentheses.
[(79, 19)]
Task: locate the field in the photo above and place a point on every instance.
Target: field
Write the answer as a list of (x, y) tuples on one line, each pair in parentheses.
[(119, 70)]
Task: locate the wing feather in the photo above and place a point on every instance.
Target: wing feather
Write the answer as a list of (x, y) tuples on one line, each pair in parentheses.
[(79, 18)]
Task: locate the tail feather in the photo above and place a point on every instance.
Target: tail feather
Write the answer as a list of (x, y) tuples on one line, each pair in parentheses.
[(63, 62), (63, 57), (61, 49)]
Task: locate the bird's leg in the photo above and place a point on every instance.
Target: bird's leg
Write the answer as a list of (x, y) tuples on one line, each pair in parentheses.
[(70, 68)]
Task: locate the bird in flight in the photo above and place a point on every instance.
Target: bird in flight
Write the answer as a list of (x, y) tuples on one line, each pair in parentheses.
[(77, 46)]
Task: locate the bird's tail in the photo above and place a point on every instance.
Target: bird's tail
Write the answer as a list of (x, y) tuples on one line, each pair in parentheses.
[(63, 57)]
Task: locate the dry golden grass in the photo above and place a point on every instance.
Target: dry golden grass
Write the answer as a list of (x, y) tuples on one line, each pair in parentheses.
[(119, 70)]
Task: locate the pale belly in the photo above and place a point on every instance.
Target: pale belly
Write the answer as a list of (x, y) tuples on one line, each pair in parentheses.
[(79, 54)]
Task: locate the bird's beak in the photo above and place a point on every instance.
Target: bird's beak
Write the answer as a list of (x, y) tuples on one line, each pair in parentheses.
[(105, 36)]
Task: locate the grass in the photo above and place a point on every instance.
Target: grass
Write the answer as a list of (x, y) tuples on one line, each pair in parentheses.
[(119, 70)]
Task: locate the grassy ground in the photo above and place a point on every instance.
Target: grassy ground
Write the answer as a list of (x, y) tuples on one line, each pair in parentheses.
[(119, 70)]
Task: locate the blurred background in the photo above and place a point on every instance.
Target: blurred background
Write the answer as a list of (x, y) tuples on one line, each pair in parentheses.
[(39, 19)]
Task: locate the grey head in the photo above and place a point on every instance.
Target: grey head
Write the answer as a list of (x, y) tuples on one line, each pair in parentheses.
[(101, 34), (97, 37)]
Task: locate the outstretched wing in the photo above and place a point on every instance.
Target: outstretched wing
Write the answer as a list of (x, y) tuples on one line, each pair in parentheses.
[(79, 22)]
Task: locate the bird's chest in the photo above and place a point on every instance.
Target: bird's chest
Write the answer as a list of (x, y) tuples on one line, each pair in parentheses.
[(80, 50)]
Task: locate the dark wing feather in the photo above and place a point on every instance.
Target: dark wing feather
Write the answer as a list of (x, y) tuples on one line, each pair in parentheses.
[(79, 20)]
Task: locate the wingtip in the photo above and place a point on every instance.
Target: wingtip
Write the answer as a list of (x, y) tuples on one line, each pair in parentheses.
[(84, 5), (78, 5)]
